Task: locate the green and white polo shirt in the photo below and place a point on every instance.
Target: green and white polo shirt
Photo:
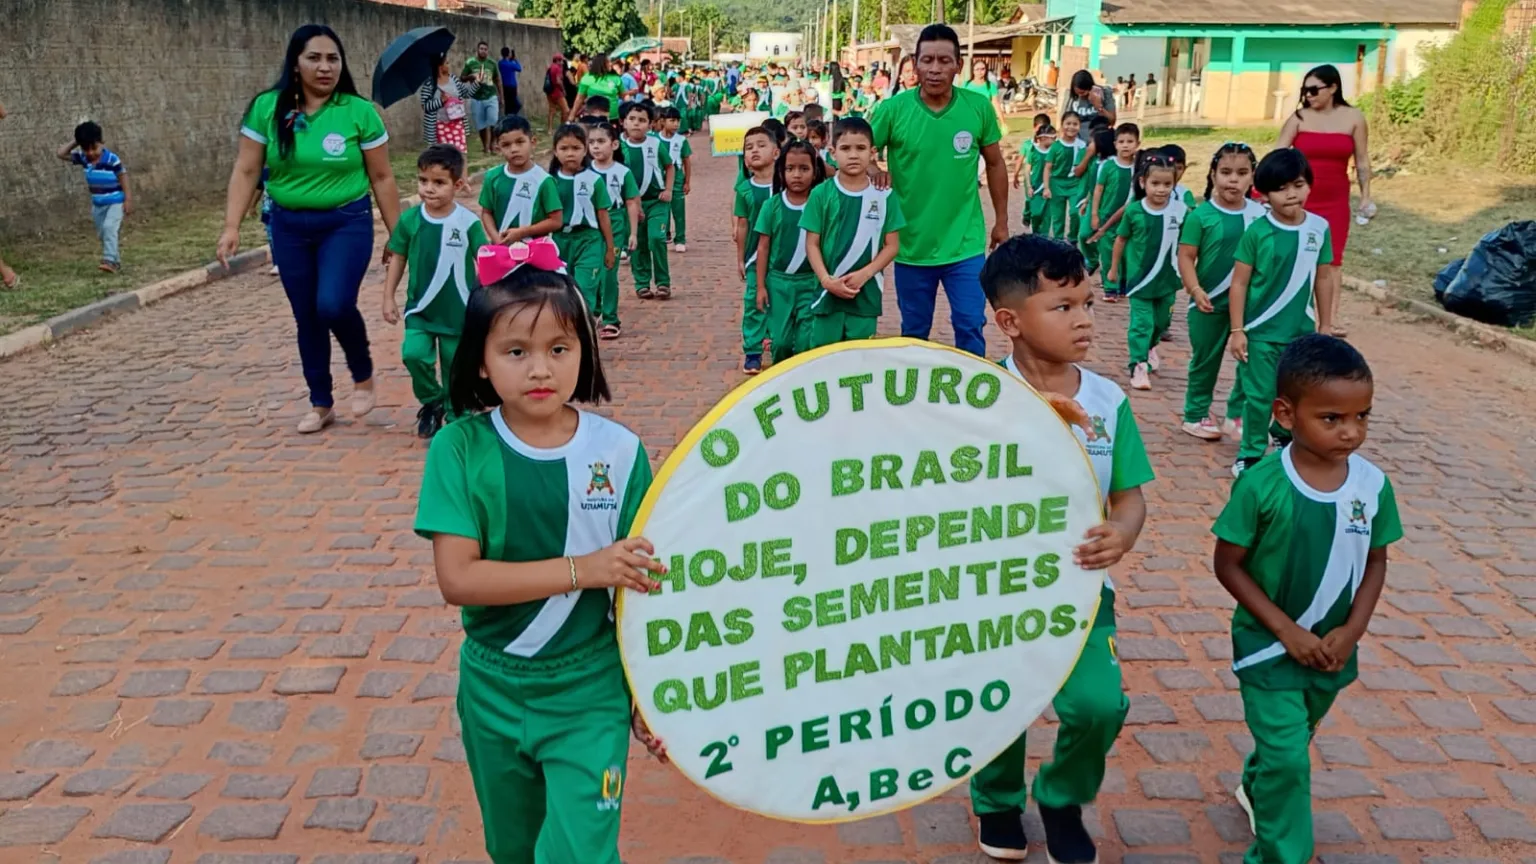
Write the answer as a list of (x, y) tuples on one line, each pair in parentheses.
[(852, 226), (525, 503), (325, 168), (648, 161), (621, 184), (441, 256), (581, 197), (1214, 231), (678, 149), (779, 221), (1151, 265), (1284, 259), (1307, 551), (1116, 180), (1063, 158), (519, 200), (1036, 160), (1117, 454), (750, 197)]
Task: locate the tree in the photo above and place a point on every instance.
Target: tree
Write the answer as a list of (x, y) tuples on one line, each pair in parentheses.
[(589, 26)]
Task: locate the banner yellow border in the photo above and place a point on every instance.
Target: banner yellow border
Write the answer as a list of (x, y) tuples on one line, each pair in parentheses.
[(697, 433)]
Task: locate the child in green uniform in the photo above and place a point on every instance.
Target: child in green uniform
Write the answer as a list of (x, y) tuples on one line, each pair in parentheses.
[(651, 163), (1063, 188), (1146, 253), (1207, 253), (851, 237), (781, 258), (1042, 301), (1114, 187), (545, 712), (438, 238), (520, 200), (1032, 167), (623, 216), (1180, 161), (681, 154), (760, 149), (1279, 269), (1302, 547), (586, 240), (1101, 149)]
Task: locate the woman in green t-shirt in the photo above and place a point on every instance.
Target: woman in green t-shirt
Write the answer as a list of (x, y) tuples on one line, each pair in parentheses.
[(599, 81), (324, 148)]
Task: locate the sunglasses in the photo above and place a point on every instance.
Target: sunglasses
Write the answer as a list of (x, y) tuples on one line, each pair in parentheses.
[(1312, 90), (1237, 145)]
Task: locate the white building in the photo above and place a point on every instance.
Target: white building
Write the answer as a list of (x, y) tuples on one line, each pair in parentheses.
[(773, 47)]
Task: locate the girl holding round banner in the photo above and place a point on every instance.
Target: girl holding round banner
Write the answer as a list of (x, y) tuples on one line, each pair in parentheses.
[(525, 502)]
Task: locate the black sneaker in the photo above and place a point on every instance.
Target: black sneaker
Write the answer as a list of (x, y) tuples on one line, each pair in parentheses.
[(439, 416), (1066, 840), (752, 364), (426, 421), (1002, 835), (1242, 465)]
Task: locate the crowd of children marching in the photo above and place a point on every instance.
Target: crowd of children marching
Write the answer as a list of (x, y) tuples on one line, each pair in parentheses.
[(506, 308)]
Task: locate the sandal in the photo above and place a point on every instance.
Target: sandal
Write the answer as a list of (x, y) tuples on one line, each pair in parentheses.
[(663, 292), (645, 294), (314, 421), (608, 331)]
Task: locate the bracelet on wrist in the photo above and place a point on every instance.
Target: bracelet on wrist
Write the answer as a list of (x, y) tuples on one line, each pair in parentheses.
[(572, 561)]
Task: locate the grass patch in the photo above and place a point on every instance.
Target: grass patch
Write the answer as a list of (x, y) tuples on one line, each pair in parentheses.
[(60, 274)]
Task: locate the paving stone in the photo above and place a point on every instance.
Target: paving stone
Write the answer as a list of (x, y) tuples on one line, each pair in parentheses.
[(382, 685), (91, 716), (244, 821), (436, 685), (176, 787), (1413, 750), (1182, 679), (222, 681), (370, 858), (333, 782), (1461, 625), (450, 749), (263, 715), (1341, 750), (20, 626), (1493, 654), (144, 823), (1230, 822), (1356, 858), (1178, 785), (237, 858), (325, 718), (153, 683), (134, 856), (397, 781), (1220, 707), (21, 785), (1394, 679), (403, 824), (384, 745), (1521, 785), (341, 814), (793, 855), (309, 679), (1143, 648), (1521, 747), (263, 647), (414, 718), (1469, 748), (31, 826), (1499, 823), (99, 781), (1372, 713), (1431, 785), (182, 649), (1147, 708), (240, 754), (1175, 746), (305, 754), (180, 712), (258, 786), (1332, 827), (1472, 682), (1140, 827), (139, 754), (877, 831), (1522, 711), (255, 623), (941, 823), (1411, 823), (1343, 783), (320, 622), (415, 649), (1420, 653), (350, 645), (51, 753), (380, 622), (78, 682), (1445, 713)]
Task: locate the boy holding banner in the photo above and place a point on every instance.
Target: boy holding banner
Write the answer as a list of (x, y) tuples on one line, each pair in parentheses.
[(1042, 301)]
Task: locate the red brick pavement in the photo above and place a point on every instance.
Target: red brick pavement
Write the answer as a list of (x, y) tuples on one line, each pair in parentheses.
[(225, 644)]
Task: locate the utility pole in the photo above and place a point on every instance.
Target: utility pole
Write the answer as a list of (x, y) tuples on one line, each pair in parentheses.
[(661, 26), (880, 37), (938, 11), (970, 37), (853, 36), (835, 55)]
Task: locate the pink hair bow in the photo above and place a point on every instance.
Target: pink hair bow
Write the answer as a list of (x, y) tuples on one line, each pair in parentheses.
[(495, 262)]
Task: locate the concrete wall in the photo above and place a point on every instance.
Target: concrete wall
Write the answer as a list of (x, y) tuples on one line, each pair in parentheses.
[(169, 80), (1123, 56)]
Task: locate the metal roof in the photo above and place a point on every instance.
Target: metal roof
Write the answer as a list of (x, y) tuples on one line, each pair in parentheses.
[(1281, 12)]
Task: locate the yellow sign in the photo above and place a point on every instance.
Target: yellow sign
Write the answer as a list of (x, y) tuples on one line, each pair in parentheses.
[(728, 131)]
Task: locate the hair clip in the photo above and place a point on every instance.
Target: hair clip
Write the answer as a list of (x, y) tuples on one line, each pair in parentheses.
[(494, 262)]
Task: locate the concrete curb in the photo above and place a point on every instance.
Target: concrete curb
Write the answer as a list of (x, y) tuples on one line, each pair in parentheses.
[(75, 320), (1484, 335)]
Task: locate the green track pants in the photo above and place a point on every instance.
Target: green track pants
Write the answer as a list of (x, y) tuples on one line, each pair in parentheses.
[(1208, 332), (1150, 319), (428, 357), (649, 260), (1257, 378), (1278, 773)]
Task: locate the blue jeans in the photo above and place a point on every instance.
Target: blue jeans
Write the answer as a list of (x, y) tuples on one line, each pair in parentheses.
[(109, 221), (322, 256), (917, 288)]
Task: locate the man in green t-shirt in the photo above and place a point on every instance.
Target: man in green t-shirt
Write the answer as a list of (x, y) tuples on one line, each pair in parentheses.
[(1302, 547), (485, 101), (933, 137)]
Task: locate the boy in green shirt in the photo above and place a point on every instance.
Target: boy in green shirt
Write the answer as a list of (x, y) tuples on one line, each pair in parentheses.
[(1063, 187), (651, 163), (1146, 254), (1043, 303), (1033, 165), (760, 149), (681, 154), (850, 238), (603, 142), (1302, 547), (1114, 186), (519, 200), (439, 239), (1280, 267)]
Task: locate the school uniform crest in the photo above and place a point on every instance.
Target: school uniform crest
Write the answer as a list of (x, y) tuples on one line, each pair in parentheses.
[(455, 238), (334, 144), (963, 141), (1359, 522), (1100, 432), (1314, 243), (612, 788), (524, 190), (600, 481)]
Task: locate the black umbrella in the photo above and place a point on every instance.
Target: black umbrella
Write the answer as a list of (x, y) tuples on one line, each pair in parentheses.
[(407, 62)]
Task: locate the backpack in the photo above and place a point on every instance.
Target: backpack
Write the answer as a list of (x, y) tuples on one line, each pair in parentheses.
[(549, 81)]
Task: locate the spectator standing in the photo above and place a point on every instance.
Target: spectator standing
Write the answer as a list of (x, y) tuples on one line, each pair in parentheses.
[(485, 100), (1089, 99), (599, 81), (508, 67), (444, 108), (554, 93), (8, 277), (111, 199)]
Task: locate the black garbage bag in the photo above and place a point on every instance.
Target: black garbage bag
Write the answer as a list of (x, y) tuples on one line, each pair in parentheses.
[(1496, 284), (1445, 277)]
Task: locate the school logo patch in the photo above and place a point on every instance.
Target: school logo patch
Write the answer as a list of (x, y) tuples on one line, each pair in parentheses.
[(613, 788), (583, 189), (874, 211), (1313, 243), (963, 141), (523, 190), (1100, 431), (1358, 522), (600, 481), (455, 238), (335, 144)]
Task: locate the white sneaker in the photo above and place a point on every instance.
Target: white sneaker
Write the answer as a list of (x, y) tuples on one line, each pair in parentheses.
[(273, 271), (1154, 362), (1139, 379), (1205, 430), (680, 247), (1232, 427), (1243, 802)]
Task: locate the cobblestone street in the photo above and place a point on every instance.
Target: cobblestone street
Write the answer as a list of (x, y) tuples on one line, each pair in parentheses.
[(225, 644)]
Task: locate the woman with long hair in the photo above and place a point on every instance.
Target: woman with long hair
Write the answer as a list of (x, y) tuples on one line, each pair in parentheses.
[(981, 82), (600, 80), (906, 75), (326, 149), (444, 107), (554, 93), (838, 95), (1329, 132), (1089, 99)]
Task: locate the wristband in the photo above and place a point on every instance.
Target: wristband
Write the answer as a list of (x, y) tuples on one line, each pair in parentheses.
[(572, 561), (1236, 330)]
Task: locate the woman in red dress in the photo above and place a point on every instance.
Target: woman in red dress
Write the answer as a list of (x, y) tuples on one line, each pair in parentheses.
[(1329, 132)]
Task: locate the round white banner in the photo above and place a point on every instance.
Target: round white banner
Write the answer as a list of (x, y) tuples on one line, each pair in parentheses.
[(871, 588)]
